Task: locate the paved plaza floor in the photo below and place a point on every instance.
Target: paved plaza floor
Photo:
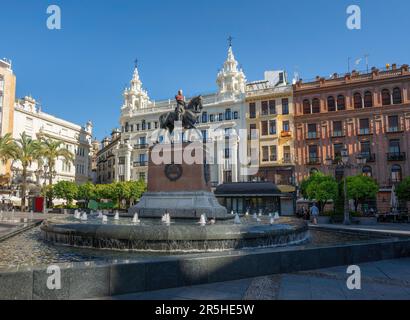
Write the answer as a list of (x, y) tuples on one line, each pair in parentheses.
[(383, 280)]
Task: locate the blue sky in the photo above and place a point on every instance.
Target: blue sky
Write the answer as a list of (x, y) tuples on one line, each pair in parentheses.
[(79, 72)]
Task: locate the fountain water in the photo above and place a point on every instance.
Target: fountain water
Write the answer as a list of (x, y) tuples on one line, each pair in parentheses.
[(77, 215), (136, 219), (247, 213), (255, 216), (166, 218), (232, 213), (84, 217), (202, 220), (237, 219), (277, 217), (100, 215), (117, 215)]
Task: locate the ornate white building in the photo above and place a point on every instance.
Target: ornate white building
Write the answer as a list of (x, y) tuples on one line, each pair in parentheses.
[(223, 123), (30, 119)]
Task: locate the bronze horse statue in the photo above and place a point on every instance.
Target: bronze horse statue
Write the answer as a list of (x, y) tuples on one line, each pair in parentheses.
[(188, 116)]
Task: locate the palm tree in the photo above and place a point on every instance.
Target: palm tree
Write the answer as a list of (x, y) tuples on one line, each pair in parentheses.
[(52, 150), (26, 152), (7, 147)]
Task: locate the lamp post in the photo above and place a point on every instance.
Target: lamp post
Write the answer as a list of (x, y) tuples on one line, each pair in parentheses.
[(343, 163)]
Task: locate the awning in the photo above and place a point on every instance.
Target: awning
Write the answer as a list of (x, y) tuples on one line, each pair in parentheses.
[(248, 189)]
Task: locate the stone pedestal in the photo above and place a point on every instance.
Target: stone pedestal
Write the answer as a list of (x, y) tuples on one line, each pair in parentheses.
[(178, 186)]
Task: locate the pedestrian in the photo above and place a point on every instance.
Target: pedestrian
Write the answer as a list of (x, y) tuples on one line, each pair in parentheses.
[(314, 212)]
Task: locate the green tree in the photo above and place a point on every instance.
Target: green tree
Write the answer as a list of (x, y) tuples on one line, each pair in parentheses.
[(320, 188), (403, 190), (137, 189), (26, 152), (7, 147), (65, 190), (361, 188), (86, 192)]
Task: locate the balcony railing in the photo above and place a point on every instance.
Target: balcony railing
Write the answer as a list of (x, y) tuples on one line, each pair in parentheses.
[(396, 156), (312, 135), (141, 146), (313, 161), (286, 134), (370, 157), (140, 163)]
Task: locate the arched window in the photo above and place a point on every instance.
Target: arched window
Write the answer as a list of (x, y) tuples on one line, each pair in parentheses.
[(368, 99), (341, 102), (331, 104), (306, 107), (367, 171), (397, 96), (396, 173), (316, 106), (386, 99), (358, 103)]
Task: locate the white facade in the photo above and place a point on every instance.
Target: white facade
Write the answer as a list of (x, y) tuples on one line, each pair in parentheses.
[(30, 119), (223, 112)]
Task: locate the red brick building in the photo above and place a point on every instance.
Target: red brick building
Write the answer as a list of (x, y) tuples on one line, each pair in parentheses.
[(367, 113)]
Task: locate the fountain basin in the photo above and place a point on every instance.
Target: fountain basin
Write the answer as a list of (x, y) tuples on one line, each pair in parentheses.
[(177, 237)]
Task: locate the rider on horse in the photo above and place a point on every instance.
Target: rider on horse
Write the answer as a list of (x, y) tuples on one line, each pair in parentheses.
[(181, 104)]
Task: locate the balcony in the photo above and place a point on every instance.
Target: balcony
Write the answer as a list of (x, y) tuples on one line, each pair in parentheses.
[(286, 134), (338, 134), (141, 146), (140, 164), (287, 160), (313, 161), (396, 156), (312, 135), (370, 157)]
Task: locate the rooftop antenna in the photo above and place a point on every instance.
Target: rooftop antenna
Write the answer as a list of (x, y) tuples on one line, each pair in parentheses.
[(366, 56)]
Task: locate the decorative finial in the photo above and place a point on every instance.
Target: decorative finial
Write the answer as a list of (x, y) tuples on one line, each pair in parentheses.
[(136, 63), (230, 38)]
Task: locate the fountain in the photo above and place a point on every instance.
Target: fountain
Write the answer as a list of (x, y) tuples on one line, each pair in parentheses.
[(100, 215), (185, 190)]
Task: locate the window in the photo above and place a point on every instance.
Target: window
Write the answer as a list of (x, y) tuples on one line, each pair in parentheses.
[(365, 149), (236, 115), (306, 107), (252, 110), (265, 153), (337, 149), (264, 108), (285, 106), (156, 124), (367, 171), (212, 118), (357, 99), (396, 173), (313, 154), (228, 114), (253, 133), (312, 131), (394, 147), (364, 126), (204, 117), (127, 127), (264, 125), (368, 99), (397, 96), (272, 107), (228, 176), (286, 127), (227, 153), (142, 176), (286, 154), (394, 124), (221, 117), (337, 129), (149, 125), (341, 102), (138, 127), (143, 125), (272, 127), (273, 154), (386, 99), (315, 105), (331, 104), (204, 135)]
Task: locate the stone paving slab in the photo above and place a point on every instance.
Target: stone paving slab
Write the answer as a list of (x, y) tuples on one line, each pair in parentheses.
[(383, 280)]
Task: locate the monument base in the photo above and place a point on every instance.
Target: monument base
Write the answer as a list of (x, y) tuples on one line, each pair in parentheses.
[(181, 205)]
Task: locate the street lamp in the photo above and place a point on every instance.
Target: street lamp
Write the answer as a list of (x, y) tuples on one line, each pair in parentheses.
[(343, 163)]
